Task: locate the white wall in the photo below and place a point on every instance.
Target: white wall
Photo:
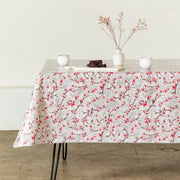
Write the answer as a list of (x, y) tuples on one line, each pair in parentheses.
[(36, 30), (13, 103)]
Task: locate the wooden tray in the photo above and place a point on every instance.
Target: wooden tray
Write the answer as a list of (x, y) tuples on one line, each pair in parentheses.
[(88, 69)]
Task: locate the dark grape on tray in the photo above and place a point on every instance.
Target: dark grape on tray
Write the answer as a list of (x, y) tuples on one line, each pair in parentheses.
[(96, 64)]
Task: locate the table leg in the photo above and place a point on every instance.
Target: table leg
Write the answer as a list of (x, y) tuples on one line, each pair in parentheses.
[(52, 168), (57, 161), (64, 153)]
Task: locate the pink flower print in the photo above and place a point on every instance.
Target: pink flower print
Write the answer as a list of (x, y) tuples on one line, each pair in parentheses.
[(148, 97), (174, 87), (96, 107), (145, 104), (133, 81), (101, 87), (55, 136), (76, 97), (73, 104)]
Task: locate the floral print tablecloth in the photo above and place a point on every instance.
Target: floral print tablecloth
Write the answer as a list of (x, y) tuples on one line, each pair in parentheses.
[(136, 107)]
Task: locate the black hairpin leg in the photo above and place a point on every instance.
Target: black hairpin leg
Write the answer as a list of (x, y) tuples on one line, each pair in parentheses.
[(53, 161), (64, 151), (52, 168)]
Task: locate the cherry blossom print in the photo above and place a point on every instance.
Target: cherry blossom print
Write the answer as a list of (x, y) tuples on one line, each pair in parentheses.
[(102, 107)]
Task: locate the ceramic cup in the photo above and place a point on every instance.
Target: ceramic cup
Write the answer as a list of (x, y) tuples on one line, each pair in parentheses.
[(63, 60), (145, 62)]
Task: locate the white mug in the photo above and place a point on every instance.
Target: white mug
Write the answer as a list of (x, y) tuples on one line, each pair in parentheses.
[(63, 60), (145, 62)]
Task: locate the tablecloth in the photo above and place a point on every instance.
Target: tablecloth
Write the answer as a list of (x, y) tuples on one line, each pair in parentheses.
[(106, 107)]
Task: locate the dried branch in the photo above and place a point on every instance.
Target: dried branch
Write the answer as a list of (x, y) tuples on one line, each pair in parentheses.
[(110, 29), (141, 25)]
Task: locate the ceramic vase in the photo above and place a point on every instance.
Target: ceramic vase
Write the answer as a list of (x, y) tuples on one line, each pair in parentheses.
[(118, 58)]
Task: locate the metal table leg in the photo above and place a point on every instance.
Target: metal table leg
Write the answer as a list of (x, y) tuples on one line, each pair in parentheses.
[(64, 152), (53, 161), (64, 156), (52, 168)]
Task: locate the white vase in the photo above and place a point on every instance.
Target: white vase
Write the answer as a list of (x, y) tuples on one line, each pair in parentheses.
[(118, 58)]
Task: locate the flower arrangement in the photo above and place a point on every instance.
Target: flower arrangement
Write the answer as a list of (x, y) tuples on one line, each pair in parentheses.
[(111, 30)]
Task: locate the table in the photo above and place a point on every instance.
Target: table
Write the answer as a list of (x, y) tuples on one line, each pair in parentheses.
[(131, 106)]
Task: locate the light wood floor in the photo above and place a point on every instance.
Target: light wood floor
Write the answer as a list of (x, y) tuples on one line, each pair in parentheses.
[(90, 161)]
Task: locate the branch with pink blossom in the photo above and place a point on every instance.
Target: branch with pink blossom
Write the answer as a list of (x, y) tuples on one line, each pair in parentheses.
[(110, 30)]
